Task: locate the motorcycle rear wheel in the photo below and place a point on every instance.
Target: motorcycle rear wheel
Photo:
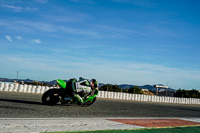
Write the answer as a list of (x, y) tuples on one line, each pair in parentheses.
[(51, 97)]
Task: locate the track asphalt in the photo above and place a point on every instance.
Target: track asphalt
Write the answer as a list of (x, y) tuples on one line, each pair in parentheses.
[(22, 112), (11, 125)]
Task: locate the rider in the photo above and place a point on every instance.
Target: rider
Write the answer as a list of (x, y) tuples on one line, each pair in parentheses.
[(84, 86)]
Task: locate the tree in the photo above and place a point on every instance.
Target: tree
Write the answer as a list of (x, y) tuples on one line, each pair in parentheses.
[(193, 93), (180, 93), (135, 90), (187, 93), (109, 87)]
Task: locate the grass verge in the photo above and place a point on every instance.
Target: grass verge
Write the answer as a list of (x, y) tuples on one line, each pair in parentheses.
[(186, 129)]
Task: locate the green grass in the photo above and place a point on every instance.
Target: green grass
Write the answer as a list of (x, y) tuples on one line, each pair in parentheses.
[(188, 129)]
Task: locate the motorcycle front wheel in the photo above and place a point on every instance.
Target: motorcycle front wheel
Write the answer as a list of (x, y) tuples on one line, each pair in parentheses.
[(51, 97), (90, 102)]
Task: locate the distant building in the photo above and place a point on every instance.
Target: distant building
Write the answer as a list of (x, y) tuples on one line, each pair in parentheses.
[(145, 90), (161, 87)]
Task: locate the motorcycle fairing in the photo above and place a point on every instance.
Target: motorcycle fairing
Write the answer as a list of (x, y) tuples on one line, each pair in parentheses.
[(83, 86), (62, 83)]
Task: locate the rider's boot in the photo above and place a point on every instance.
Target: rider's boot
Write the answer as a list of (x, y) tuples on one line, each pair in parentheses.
[(65, 100)]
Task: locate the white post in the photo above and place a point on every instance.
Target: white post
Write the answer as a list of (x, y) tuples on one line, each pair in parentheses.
[(109, 94), (146, 98), (129, 96), (16, 87), (21, 87), (47, 88), (101, 94), (29, 88), (42, 89), (133, 97), (33, 89), (149, 98), (185, 101), (141, 98), (11, 87), (38, 89), (105, 94), (25, 88), (5, 87), (119, 95), (1, 86)]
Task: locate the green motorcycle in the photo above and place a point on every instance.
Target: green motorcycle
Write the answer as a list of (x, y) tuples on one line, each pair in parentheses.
[(65, 93)]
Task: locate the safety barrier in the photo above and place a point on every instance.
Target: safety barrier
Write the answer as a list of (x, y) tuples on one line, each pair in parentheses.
[(148, 98), (102, 94), (23, 88)]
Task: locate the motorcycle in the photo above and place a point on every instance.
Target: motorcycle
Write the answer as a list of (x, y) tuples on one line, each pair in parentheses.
[(64, 94)]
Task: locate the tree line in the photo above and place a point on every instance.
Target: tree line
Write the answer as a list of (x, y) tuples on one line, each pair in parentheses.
[(116, 88), (187, 93)]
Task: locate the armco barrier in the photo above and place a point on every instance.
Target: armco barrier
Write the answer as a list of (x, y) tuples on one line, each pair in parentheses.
[(102, 94)]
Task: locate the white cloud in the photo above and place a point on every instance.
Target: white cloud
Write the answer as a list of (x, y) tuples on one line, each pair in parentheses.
[(8, 38), (18, 37), (12, 7), (37, 41), (18, 8)]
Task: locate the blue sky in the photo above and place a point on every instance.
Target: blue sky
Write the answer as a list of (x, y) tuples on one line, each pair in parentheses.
[(115, 41)]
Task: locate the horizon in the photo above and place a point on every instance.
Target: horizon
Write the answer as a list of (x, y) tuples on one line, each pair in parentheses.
[(114, 41), (98, 83)]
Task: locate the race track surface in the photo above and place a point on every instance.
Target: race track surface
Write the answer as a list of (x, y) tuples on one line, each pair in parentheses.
[(24, 105)]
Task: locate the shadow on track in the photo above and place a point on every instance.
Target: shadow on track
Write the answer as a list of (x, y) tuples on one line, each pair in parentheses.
[(20, 101), (188, 109), (32, 102)]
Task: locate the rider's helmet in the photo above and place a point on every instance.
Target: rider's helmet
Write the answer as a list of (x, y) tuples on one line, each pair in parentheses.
[(81, 79), (94, 83)]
